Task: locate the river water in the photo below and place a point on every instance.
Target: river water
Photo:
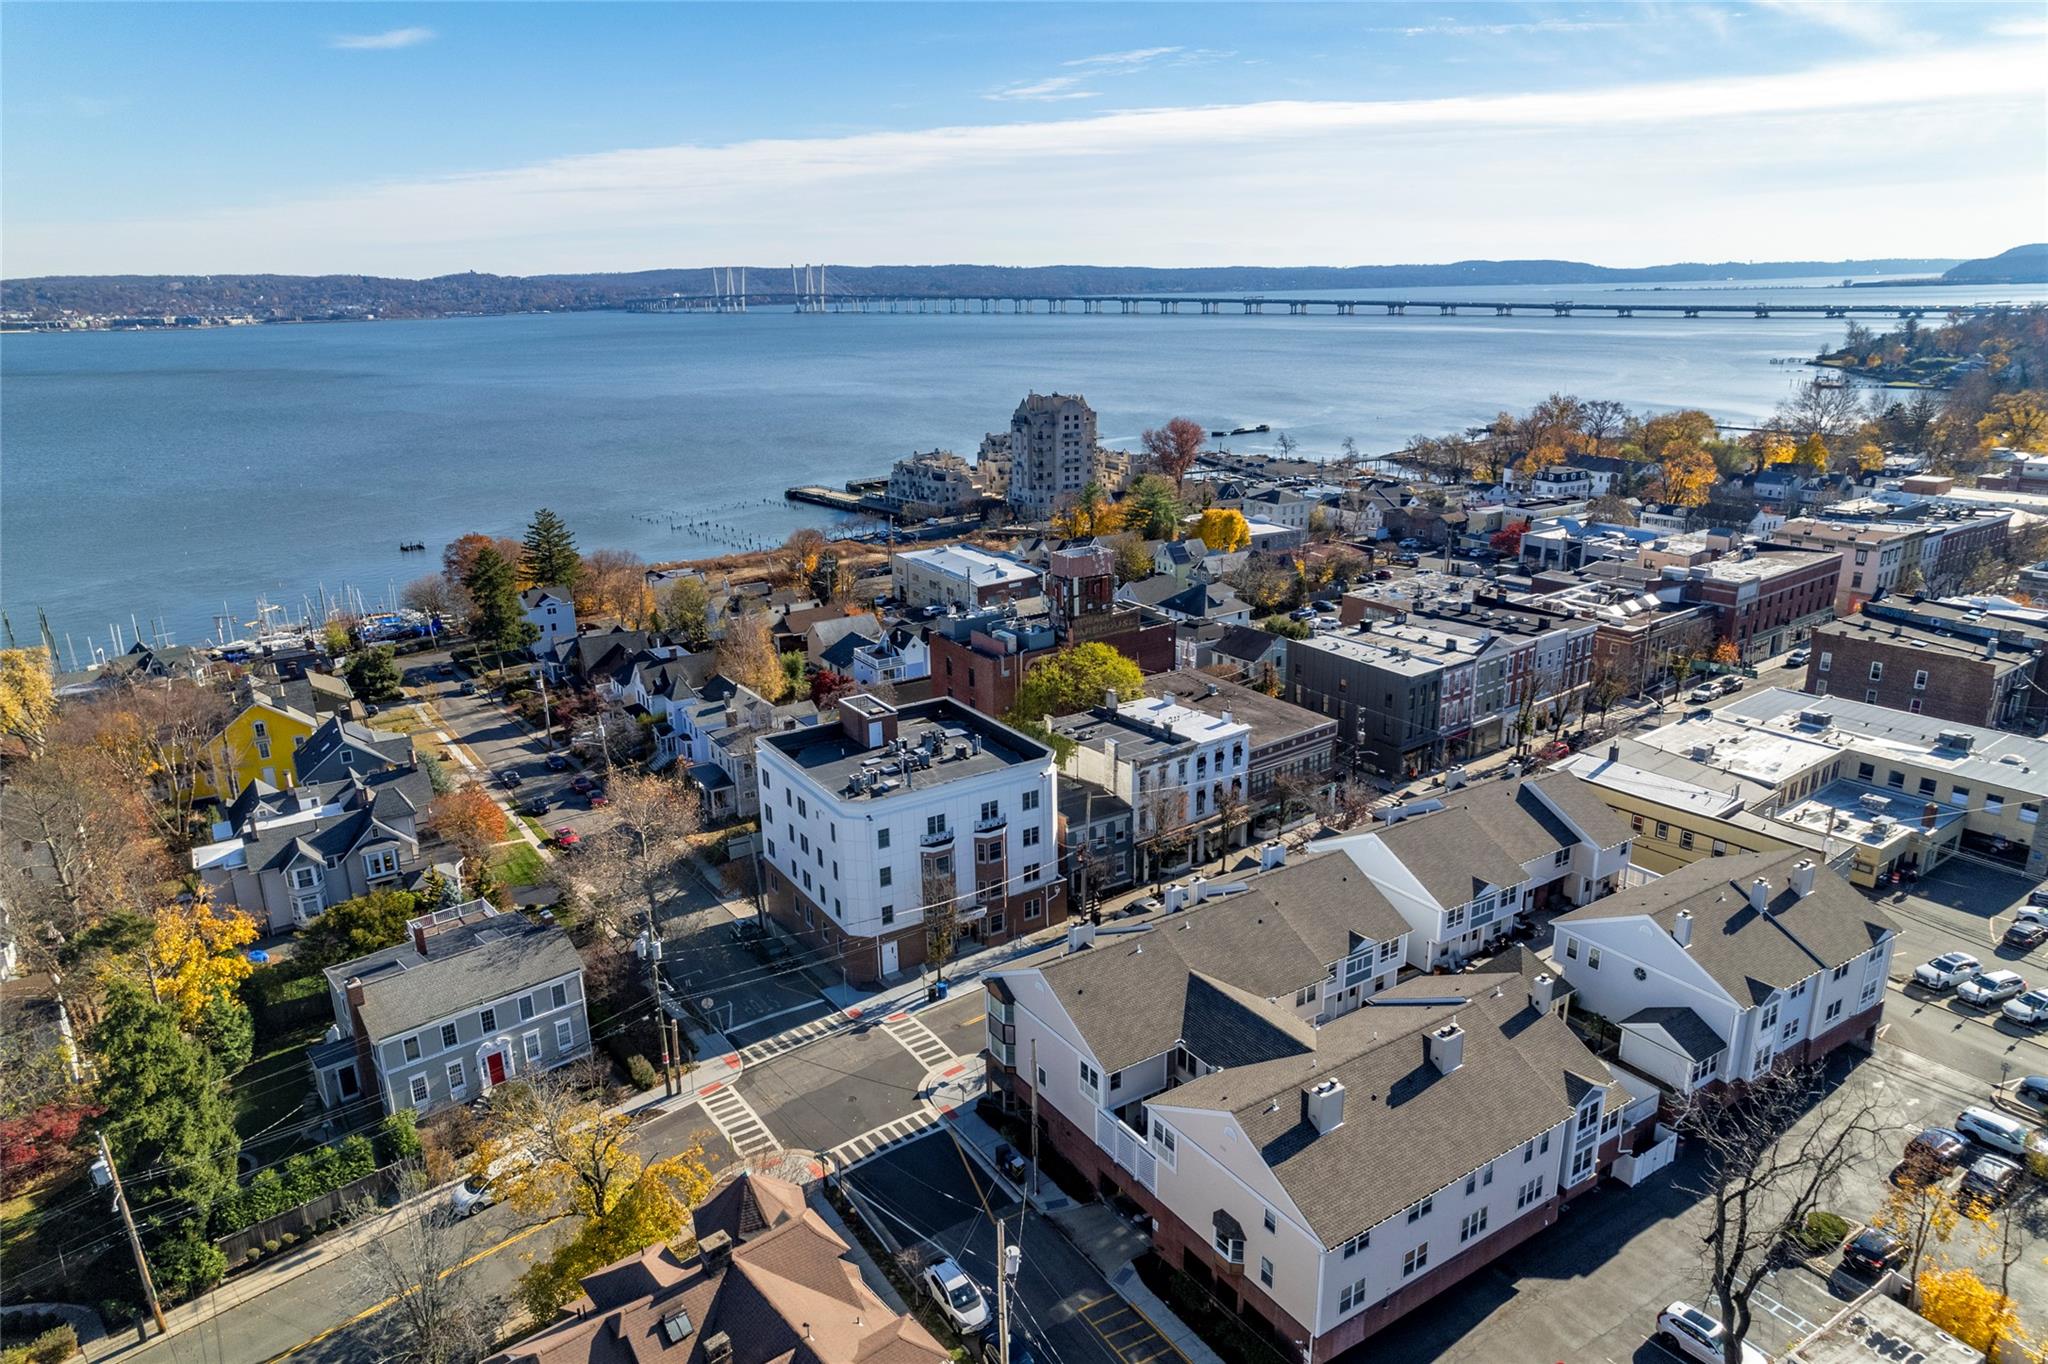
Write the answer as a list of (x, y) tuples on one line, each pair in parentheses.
[(160, 476)]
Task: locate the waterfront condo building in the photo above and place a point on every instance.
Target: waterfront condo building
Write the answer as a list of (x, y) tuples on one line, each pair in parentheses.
[(1322, 1160), (1053, 453), (868, 822)]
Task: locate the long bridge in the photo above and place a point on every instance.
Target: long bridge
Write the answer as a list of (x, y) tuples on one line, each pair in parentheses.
[(1131, 305)]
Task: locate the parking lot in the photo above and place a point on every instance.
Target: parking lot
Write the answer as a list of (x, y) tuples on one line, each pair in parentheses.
[(936, 1201)]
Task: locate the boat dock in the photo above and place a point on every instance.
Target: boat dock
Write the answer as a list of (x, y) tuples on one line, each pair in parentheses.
[(860, 496)]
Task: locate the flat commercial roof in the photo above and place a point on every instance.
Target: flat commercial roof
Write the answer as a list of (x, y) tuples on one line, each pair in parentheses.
[(1994, 757)]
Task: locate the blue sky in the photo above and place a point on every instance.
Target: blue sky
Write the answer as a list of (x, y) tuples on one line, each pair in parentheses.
[(421, 139)]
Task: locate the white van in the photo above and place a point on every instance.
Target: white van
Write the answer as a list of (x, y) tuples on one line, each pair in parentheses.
[(1994, 1130)]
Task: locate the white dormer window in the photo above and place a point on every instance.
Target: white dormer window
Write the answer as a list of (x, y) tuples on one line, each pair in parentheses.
[(381, 862), (305, 878)]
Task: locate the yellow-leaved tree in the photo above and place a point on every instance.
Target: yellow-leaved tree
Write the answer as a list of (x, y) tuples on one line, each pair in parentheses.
[(2018, 420), (1223, 530), (1091, 514), (1869, 457), (1779, 449), (196, 958), (1813, 453), (1960, 1303), (1689, 476), (28, 701), (653, 1209)]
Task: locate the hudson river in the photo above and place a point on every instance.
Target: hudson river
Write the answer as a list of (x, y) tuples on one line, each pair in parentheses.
[(159, 475)]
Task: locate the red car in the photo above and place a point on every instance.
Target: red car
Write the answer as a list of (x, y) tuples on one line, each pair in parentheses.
[(566, 837), (596, 797)]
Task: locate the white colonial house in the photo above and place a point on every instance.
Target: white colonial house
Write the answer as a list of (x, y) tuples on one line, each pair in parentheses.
[(551, 611), (1464, 869), (1730, 966)]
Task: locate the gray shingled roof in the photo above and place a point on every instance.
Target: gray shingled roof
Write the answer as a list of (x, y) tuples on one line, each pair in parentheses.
[(1452, 855), (1408, 1130), (1689, 1032), (1750, 954), (499, 956)]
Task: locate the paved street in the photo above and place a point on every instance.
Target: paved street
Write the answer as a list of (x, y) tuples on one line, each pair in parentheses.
[(936, 1201)]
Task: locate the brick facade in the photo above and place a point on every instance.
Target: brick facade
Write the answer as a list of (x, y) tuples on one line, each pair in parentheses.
[(860, 957)]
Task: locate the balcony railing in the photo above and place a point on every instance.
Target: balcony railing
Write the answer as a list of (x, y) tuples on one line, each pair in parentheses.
[(943, 838), (991, 825)]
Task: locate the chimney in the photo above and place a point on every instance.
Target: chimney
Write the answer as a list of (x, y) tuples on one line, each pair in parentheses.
[(718, 1348), (1543, 992), (1080, 934), (716, 1250), (1929, 814), (1323, 1105), (1802, 877), (1614, 753), (1760, 895), (1447, 1047), (419, 935), (1681, 928), (1109, 698)]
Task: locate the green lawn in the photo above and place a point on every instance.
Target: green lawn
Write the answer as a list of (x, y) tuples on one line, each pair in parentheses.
[(275, 1083), (518, 864)]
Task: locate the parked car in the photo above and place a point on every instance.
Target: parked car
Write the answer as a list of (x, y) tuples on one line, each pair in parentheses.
[(1020, 1349), (1872, 1252), (2030, 1008), (583, 785), (510, 778), (465, 689), (1798, 657), (566, 837), (1946, 971), (955, 1294), (1381, 575), (2039, 898), (1686, 1330), (1302, 613), (473, 1195), (1990, 1180), (2032, 1090), (535, 805), (557, 763), (2000, 1133), (745, 932), (596, 798), (445, 669), (1731, 684), (2024, 936), (1705, 691), (1931, 1155), (1991, 987)]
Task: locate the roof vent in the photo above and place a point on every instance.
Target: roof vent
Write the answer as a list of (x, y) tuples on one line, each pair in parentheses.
[(1760, 895)]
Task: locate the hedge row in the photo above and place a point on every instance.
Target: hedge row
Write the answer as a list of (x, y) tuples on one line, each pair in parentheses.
[(53, 1346), (299, 1180)]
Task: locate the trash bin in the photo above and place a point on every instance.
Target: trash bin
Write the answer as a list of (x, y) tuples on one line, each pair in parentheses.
[(938, 991)]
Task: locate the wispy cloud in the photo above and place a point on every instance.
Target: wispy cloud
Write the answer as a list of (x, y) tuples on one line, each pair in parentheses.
[(1136, 57), (1787, 146), (1044, 91), (379, 42), (93, 106), (1880, 25), (2020, 28), (1450, 29)]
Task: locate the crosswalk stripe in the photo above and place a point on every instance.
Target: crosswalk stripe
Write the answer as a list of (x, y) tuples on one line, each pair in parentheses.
[(882, 1138), (737, 1121)]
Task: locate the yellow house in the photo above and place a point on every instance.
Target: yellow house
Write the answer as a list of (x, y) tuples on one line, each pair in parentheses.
[(259, 744), (1679, 812)]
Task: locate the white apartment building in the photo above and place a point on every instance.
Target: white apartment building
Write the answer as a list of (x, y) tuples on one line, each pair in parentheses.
[(551, 611), (1730, 966), (958, 575), (866, 822), (1176, 766), (933, 483), (1462, 870), (1324, 1169)]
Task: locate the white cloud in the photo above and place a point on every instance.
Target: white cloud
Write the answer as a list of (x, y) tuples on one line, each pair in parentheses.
[(1881, 25), (378, 42), (1051, 88), (1726, 168), (1449, 29), (1136, 57), (2020, 28)]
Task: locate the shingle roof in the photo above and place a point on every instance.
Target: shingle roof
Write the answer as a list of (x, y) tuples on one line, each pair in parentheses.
[(1409, 1130), (1692, 1034), (1452, 855), (1518, 821), (466, 966), (1753, 954)]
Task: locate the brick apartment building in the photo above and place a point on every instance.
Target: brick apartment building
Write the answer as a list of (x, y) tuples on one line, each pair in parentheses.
[(980, 660), (1767, 599), (1948, 662)]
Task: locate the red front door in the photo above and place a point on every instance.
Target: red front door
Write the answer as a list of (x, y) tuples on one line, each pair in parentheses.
[(494, 1066)]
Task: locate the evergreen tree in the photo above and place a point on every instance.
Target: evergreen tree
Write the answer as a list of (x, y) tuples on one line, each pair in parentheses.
[(496, 618), (168, 1114), (373, 675), (548, 557)]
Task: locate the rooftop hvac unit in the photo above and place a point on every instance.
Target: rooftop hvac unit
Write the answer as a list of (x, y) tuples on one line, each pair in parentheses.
[(1875, 804), (1956, 739)]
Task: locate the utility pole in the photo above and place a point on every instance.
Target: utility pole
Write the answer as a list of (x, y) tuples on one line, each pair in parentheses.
[(1032, 1192), (134, 1240), (1008, 1258), (547, 722), (668, 1074)]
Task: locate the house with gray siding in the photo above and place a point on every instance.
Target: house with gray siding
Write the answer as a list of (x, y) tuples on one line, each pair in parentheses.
[(470, 1000)]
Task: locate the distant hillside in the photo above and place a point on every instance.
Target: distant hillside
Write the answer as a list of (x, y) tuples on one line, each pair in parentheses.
[(2021, 265), (318, 297)]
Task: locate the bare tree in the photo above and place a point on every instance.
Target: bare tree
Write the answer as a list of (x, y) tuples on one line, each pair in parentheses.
[(642, 852), (1830, 411), (437, 1315), (1163, 827), (431, 595), (1775, 1149)]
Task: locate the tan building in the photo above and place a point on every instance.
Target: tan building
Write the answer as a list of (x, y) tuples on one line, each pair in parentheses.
[(934, 483), (1873, 556), (1054, 454)]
